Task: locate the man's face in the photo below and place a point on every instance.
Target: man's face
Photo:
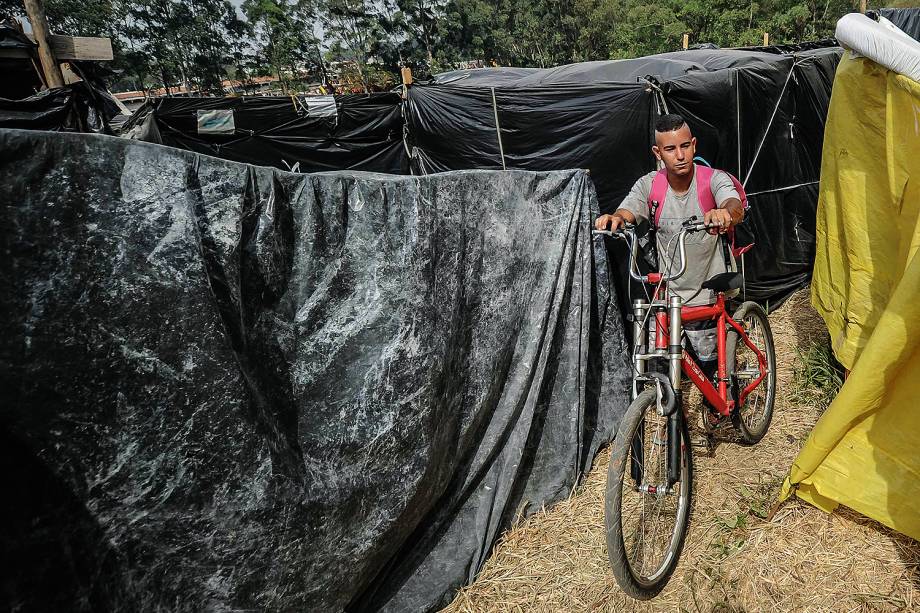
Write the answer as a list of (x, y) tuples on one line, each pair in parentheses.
[(676, 149)]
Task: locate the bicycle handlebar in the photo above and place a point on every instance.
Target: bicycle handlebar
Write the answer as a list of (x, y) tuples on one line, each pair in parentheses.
[(628, 232)]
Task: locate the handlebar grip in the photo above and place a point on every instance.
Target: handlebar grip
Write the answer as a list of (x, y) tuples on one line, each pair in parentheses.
[(618, 232), (698, 226)]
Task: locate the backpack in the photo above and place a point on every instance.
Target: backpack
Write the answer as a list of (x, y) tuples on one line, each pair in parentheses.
[(704, 194)]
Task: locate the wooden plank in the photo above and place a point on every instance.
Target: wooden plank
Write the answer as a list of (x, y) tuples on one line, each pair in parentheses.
[(81, 47), (406, 74), (70, 48), (67, 48), (69, 75)]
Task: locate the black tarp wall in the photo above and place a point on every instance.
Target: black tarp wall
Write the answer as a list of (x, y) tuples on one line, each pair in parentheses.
[(229, 387), (757, 114), (366, 132)]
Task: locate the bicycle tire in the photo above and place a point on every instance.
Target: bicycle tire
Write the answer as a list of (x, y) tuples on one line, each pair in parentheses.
[(635, 584), (751, 431)]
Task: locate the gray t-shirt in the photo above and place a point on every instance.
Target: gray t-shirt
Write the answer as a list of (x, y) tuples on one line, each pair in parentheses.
[(705, 257)]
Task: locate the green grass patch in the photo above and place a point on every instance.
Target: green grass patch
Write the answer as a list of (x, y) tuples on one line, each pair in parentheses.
[(817, 374)]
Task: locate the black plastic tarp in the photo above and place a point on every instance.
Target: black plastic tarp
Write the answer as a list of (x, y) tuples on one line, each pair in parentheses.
[(79, 107), (229, 387), (757, 114), (83, 106), (907, 19), (663, 66), (366, 132)]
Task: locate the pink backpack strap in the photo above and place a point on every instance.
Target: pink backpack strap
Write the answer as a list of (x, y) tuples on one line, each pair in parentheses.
[(704, 188), (703, 175), (658, 193), (739, 251)]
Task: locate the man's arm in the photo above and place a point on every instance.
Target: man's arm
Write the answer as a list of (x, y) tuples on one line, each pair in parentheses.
[(735, 210), (729, 214), (730, 211)]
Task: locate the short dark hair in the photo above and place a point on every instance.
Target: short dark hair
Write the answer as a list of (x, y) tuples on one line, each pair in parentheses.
[(669, 123)]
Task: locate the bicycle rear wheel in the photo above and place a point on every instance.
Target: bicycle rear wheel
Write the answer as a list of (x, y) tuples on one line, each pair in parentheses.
[(752, 419), (646, 521)]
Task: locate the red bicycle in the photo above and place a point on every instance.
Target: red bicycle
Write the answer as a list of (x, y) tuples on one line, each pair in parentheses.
[(650, 478)]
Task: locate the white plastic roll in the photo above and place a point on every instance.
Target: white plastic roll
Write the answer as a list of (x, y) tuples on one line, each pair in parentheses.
[(882, 42)]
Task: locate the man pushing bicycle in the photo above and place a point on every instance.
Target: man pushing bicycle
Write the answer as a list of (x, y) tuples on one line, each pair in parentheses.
[(650, 475), (670, 197)]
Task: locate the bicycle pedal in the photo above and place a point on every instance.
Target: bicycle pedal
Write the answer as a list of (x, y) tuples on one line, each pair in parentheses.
[(700, 442)]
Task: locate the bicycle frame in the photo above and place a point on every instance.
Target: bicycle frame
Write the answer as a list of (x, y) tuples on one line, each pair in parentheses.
[(718, 398), (670, 315)]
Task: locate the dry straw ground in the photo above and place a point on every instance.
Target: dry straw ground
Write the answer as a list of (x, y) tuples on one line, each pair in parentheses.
[(733, 560)]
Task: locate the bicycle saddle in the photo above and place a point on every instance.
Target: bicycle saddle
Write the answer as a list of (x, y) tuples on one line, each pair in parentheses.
[(723, 282)]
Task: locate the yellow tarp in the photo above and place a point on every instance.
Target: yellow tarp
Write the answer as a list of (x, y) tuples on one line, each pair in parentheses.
[(865, 450)]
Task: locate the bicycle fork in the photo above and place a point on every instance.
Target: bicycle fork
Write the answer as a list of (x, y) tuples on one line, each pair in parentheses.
[(668, 331)]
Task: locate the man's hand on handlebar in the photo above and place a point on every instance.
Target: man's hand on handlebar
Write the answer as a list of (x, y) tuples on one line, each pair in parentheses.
[(718, 221), (721, 219), (613, 222)]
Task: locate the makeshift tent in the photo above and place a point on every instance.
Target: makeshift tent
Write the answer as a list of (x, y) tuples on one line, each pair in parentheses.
[(79, 107), (757, 113), (863, 451), (232, 387), (306, 133)]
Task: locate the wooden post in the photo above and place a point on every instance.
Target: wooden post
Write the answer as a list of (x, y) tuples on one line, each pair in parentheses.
[(862, 6), (406, 74), (686, 41), (36, 13), (766, 39)]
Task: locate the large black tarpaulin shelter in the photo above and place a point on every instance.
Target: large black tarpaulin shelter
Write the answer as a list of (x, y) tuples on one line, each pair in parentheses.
[(355, 132), (757, 113), (230, 387)]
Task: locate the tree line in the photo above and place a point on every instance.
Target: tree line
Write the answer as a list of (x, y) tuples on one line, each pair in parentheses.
[(199, 43)]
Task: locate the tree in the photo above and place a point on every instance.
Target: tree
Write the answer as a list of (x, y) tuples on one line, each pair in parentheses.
[(192, 42), (284, 30), (199, 42), (413, 24), (355, 33), (212, 30)]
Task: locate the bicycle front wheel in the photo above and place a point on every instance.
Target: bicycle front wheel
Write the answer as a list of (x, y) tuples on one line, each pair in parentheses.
[(646, 520)]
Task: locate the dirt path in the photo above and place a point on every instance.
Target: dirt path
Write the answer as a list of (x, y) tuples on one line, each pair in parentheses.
[(733, 560)]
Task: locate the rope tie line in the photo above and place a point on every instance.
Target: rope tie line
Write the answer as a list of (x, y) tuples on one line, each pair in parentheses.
[(766, 133), (498, 130), (783, 189)]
